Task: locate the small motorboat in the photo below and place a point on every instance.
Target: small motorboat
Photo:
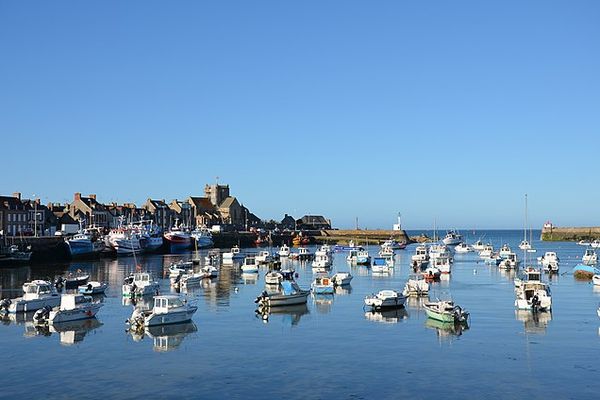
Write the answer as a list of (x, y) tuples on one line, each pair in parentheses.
[(363, 258), (446, 311), (416, 286), (431, 273), (264, 257), (284, 251), (505, 250), (74, 280), (288, 294), (233, 255), (323, 260), (342, 278), (73, 307), (302, 254), (452, 238), (596, 279), (525, 245), (190, 279), (584, 243), (322, 285), (385, 299), (38, 294), (478, 245), (380, 265), (589, 257), (168, 309), (531, 293), (595, 244), (140, 284), (487, 251), (209, 271), (273, 278), (510, 261), (249, 265), (386, 251), (463, 248), (93, 287)]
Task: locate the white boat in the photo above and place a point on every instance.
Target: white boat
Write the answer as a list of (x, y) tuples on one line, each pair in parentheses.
[(73, 307), (302, 254), (263, 257), (250, 265), (596, 279), (442, 263), (93, 287), (440, 250), (140, 284), (589, 257), (209, 271), (504, 251), (38, 294), (380, 265), (452, 238), (463, 248), (487, 252), (595, 244), (168, 309), (525, 245), (584, 243), (190, 279), (85, 243), (363, 257), (323, 261), (284, 251), (416, 285), (273, 278), (386, 251), (510, 261), (531, 293), (385, 299), (341, 278), (233, 255), (432, 273), (478, 246), (125, 240), (288, 294), (322, 284), (549, 261)]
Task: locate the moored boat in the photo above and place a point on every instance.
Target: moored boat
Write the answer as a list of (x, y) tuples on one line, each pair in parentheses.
[(73, 307), (531, 293), (140, 284), (416, 286), (385, 299), (322, 284), (288, 294), (168, 309), (93, 287), (445, 311), (37, 294), (341, 278)]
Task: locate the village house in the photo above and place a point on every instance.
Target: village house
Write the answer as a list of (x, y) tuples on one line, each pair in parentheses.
[(313, 222), (90, 210), (159, 212), (14, 215), (63, 220), (182, 213), (288, 222), (204, 212)]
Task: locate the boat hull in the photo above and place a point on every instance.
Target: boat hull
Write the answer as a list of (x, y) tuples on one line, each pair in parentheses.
[(19, 305), (171, 317), (286, 300), (87, 312)]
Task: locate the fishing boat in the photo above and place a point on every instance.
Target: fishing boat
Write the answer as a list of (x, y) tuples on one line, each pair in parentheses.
[(595, 244), (386, 251), (510, 261), (168, 309), (549, 261), (452, 238), (178, 238), (322, 284), (86, 243), (140, 284), (504, 251), (73, 279), (233, 255), (421, 254), (263, 257), (287, 294), (73, 307), (393, 244), (531, 293), (303, 254), (446, 311), (463, 248), (190, 279), (323, 261), (203, 237), (284, 251), (125, 240), (442, 263), (416, 286), (37, 294), (478, 245), (250, 265), (380, 265), (385, 299), (487, 251), (363, 258), (93, 287), (589, 257), (341, 278)]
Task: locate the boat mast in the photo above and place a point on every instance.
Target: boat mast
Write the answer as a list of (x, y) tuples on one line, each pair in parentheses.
[(525, 226)]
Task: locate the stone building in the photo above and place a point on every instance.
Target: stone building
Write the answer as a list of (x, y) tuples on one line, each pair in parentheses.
[(181, 212), (159, 212), (91, 210), (14, 215), (204, 212), (313, 222)]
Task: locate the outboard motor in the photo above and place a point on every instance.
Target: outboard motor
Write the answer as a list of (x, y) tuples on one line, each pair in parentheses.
[(4, 304), (535, 303), (59, 282), (42, 314)]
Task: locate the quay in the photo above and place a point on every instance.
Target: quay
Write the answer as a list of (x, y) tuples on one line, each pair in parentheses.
[(551, 233)]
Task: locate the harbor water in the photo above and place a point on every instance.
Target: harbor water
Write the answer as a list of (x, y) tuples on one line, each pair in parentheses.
[(330, 348)]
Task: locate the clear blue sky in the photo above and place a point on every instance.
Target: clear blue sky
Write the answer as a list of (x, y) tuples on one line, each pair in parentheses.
[(446, 110)]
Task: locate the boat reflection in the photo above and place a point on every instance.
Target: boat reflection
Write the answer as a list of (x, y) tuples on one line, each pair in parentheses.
[(166, 337), (416, 302), (142, 303), (249, 278), (69, 332), (534, 322), (446, 330), (383, 275), (387, 316), (343, 290), (291, 314), (323, 303)]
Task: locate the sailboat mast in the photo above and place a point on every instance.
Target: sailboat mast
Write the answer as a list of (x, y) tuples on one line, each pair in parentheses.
[(525, 227)]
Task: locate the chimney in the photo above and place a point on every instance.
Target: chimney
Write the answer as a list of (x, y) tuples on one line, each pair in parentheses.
[(92, 196), (77, 196), (17, 195)]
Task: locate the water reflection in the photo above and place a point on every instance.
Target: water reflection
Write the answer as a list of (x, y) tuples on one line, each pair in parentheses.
[(143, 303), (165, 337), (69, 332), (249, 278), (343, 290), (287, 314), (534, 322), (387, 316), (383, 274), (446, 331), (323, 303)]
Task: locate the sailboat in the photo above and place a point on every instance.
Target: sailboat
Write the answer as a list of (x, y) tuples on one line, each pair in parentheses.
[(525, 244)]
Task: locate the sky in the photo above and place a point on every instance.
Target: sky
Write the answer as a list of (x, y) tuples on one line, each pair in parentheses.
[(445, 111)]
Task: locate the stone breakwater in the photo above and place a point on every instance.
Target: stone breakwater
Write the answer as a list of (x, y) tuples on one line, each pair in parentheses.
[(361, 236), (570, 234)]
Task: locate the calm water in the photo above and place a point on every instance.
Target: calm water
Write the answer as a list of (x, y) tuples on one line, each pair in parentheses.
[(330, 349)]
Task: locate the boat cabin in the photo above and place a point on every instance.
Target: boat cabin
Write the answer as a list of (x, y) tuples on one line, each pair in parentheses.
[(162, 304), (250, 260), (512, 257), (235, 250), (37, 288), (532, 274), (379, 261), (302, 251), (72, 301), (421, 251)]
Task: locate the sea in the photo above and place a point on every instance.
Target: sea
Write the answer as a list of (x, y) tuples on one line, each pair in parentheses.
[(333, 348)]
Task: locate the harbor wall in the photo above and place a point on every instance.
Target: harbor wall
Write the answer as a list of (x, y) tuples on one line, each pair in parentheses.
[(570, 234), (361, 236)]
